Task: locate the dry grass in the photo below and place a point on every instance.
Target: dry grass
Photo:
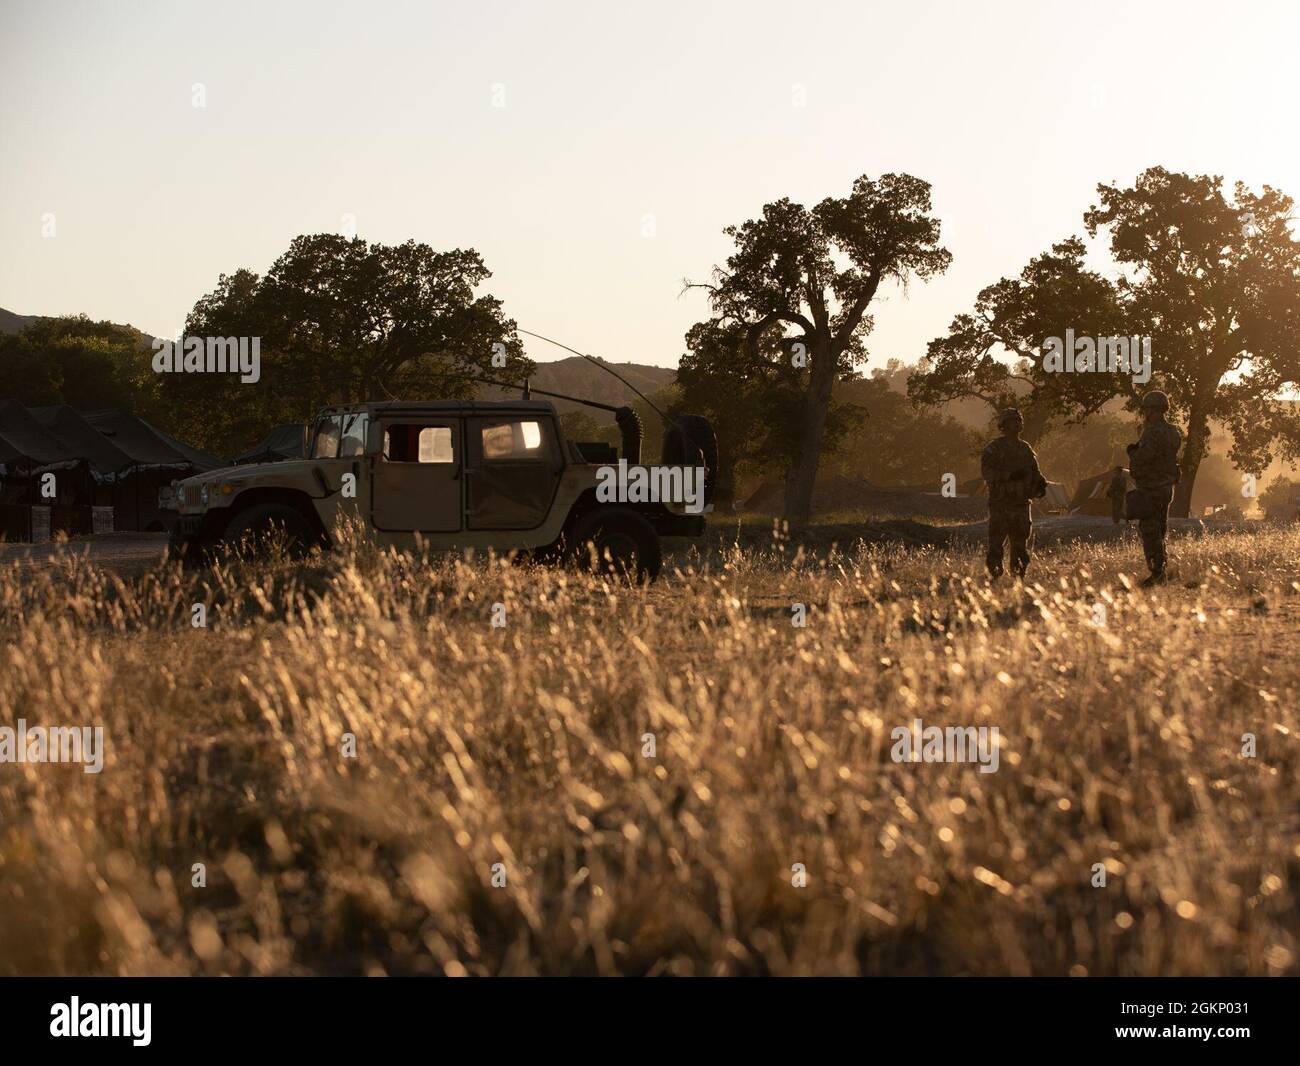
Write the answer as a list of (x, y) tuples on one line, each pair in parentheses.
[(522, 746)]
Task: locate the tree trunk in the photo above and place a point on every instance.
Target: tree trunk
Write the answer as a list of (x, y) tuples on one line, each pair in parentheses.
[(1198, 433), (724, 492), (802, 475)]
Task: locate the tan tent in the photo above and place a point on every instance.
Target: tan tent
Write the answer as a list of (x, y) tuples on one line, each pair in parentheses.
[(1057, 500), (1093, 494)]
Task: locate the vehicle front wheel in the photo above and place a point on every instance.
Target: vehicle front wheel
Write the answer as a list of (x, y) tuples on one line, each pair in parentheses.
[(616, 541), (185, 552), (263, 528)]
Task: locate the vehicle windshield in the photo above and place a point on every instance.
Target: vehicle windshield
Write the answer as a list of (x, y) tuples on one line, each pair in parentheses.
[(325, 444), (341, 436), (353, 441)]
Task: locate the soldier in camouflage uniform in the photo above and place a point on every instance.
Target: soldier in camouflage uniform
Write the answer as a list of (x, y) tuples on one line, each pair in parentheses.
[(1010, 468), (1153, 465)]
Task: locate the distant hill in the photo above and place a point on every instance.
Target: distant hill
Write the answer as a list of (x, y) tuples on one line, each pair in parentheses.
[(578, 377), (12, 323)]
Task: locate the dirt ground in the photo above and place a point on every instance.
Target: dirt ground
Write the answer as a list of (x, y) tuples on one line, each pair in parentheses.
[(131, 553), (126, 553), (1094, 529)]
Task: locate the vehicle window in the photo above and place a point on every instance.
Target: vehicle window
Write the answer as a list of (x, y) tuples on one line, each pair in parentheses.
[(354, 435), (513, 440), (418, 444), (326, 443)]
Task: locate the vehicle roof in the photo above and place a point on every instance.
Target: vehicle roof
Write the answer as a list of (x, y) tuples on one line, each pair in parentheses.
[(414, 406)]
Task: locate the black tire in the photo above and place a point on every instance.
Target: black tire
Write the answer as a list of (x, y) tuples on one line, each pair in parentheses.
[(689, 440), (616, 541), (185, 552), (261, 525)]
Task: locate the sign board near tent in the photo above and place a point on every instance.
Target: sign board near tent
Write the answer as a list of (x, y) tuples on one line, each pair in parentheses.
[(40, 525)]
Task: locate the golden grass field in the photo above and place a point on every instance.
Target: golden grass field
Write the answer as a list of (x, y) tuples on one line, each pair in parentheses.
[(522, 746)]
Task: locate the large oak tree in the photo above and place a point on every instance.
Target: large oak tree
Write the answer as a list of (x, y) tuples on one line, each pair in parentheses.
[(342, 320), (1215, 282), (994, 352), (801, 281), (753, 395)]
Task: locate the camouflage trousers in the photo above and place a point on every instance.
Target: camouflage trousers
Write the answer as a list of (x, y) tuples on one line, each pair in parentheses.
[(1153, 529), (1014, 524)]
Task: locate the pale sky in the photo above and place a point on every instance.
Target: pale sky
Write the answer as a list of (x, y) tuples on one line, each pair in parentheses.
[(384, 111)]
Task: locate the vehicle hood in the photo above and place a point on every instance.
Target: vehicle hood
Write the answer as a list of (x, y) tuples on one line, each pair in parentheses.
[(285, 468)]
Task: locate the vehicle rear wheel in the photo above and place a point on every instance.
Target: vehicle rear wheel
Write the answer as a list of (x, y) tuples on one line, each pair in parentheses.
[(619, 542), (263, 528)]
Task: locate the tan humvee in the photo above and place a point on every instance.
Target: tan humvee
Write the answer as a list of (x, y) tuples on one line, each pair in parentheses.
[(448, 474)]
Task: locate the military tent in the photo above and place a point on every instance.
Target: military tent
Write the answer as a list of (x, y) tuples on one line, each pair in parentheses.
[(28, 450), (105, 458), (1093, 494), (284, 442), (1057, 500), (100, 458), (28, 445), (44, 482), (155, 459), (147, 446)]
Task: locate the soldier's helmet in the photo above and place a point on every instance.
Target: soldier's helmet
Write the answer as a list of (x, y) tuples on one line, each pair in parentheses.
[(1006, 416), (1157, 399)]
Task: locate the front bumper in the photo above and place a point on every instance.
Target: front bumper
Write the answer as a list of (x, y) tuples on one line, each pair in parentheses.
[(187, 527)]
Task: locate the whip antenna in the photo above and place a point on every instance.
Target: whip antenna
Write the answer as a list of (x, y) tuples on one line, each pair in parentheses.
[(607, 369), (625, 427)]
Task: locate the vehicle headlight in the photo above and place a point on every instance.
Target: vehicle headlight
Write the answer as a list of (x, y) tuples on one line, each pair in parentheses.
[(204, 492)]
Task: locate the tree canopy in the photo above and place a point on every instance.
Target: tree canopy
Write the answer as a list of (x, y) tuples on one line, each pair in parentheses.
[(1212, 280), (1215, 281), (341, 320), (78, 362), (798, 287), (1015, 317)]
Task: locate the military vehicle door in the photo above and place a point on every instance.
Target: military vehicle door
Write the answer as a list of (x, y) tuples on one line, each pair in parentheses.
[(513, 470), (416, 475)]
